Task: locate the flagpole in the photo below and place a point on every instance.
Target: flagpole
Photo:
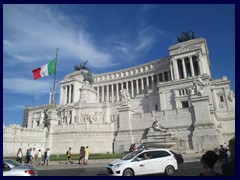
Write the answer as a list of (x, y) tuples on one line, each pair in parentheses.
[(55, 75)]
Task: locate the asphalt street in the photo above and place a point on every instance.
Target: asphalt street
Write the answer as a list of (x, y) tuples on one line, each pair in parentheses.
[(191, 167)]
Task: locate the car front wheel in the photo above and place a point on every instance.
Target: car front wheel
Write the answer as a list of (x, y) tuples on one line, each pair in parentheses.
[(128, 172), (169, 171)]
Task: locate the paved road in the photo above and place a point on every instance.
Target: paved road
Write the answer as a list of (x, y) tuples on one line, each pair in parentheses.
[(191, 167), (185, 169)]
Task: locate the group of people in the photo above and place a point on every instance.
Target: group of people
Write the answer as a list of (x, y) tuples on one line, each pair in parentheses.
[(83, 155), (209, 159), (33, 157)]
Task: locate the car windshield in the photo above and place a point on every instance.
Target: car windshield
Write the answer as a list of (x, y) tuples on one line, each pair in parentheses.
[(12, 162), (131, 155)]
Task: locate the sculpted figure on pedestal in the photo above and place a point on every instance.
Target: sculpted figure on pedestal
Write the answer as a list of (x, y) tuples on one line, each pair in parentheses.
[(125, 97), (198, 86), (231, 96), (156, 126)]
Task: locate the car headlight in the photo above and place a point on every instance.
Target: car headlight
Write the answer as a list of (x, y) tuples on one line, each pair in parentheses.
[(118, 165)]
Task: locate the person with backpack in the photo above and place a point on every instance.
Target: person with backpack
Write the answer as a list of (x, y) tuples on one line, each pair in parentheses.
[(69, 154)]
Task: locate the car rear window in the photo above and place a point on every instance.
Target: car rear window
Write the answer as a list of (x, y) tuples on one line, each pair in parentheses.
[(158, 154)]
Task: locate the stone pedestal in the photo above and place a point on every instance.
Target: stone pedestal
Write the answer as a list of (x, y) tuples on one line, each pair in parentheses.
[(159, 139), (52, 117), (204, 134), (124, 138), (201, 109), (87, 94)]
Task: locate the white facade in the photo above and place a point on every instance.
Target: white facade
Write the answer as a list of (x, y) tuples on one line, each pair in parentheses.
[(120, 107)]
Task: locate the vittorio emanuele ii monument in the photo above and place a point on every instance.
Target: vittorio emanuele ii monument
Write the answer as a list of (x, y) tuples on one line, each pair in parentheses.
[(172, 102)]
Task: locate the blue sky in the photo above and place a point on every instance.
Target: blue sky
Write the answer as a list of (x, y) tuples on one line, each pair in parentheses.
[(110, 37)]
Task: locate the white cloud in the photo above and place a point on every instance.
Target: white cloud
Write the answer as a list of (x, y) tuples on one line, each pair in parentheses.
[(33, 31), (14, 108), (26, 86)]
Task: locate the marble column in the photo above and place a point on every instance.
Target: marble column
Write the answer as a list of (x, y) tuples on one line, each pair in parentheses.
[(215, 100), (171, 71), (137, 86), (132, 90), (200, 66), (157, 77), (152, 79), (117, 92), (107, 98), (147, 84), (112, 92), (163, 76), (69, 94), (103, 93), (184, 68), (191, 66), (175, 69), (142, 87)]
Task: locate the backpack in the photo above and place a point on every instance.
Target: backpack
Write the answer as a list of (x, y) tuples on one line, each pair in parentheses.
[(67, 152)]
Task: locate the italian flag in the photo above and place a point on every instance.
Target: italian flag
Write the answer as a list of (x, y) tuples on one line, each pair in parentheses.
[(45, 70)]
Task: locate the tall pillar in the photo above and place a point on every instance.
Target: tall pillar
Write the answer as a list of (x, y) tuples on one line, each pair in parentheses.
[(69, 94), (147, 83), (97, 93), (191, 66), (122, 85), (175, 69), (215, 100), (142, 87), (171, 72), (117, 92), (163, 76), (184, 68), (107, 99), (64, 95), (132, 89), (162, 100), (158, 78), (72, 92), (127, 86), (152, 79), (137, 86), (112, 92), (200, 66), (103, 93)]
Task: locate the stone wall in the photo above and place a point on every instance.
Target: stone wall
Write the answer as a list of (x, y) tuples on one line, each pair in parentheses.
[(15, 137)]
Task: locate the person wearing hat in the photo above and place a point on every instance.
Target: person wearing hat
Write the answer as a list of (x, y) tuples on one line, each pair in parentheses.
[(208, 160)]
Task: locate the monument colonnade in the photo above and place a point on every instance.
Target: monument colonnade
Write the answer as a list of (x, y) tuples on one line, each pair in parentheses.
[(138, 80)]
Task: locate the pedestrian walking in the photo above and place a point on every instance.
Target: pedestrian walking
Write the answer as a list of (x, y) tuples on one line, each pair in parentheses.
[(82, 152), (39, 157), (86, 155), (19, 155), (48, 157), (69, 155), (45, 157)]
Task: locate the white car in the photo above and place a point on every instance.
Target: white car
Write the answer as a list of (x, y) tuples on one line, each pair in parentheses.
[(14, 168), (143, 162)]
